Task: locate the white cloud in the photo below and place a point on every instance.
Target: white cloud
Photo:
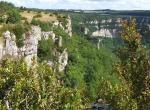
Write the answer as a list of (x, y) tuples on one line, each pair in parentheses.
[(48, 1), (85, 4)]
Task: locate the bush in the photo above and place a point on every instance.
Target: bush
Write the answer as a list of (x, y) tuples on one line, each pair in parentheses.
[(46, 12), (19, 30), (50, 14), (6, 7), (21, 90), (28, 11), (38, 15), (13, 17), (23, 18), (44, 26), (3, 19), (45, 49)]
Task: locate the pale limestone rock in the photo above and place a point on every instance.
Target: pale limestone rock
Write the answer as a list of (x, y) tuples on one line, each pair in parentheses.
[(86, 30), (29, 50), (69, 27), (10, 45), (102, 33), (50, 63), (47, 35), (98, 44), (61, 26), (109, 21), (103, 21), (118, 20), (36, 31), (63, 60), (56, 23), (31, 45)]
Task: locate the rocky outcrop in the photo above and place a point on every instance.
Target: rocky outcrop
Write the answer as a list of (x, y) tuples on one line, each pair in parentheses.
[(31, 45), (9, 47), (69, 27), (63, 60), (86, 31), (29, 50), (104, 33), (98, 43), (100, 105), (47, 35)]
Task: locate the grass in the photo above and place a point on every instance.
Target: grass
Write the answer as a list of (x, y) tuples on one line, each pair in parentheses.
[(45, 16), (1, 41)]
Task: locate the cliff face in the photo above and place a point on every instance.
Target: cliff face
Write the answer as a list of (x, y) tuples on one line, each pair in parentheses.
[(104, 24), (103, 28), (67, 28), (105, 33), (8, 45), (29, 50)]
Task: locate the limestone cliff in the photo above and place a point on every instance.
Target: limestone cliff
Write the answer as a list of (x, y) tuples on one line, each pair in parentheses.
[(29, 50), (105, 33), (68, 26)]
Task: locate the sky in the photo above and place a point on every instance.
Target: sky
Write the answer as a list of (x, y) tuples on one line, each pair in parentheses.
[(84, 4)]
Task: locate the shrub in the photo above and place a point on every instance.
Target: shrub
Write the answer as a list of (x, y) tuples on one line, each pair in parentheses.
[(21, 90), (50, 14), (44, 26), (6, 7), (3, 19), (63, 20), (19, 30), (13, 17), (46, 12), (28, 11), (45, 49), (23, 18), (38, 15)]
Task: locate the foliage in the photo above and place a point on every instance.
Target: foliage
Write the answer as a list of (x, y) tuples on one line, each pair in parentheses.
[(44, 25), (6, 7), (45, 49), (116, 95), (146, 35), (134, 73), (13, 17), (38, 15), (86, 64), (18, 30), (62, 19), (9, 13), (36, 88)]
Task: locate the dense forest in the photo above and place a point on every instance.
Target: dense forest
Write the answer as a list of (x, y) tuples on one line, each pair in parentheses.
[(117, 75)]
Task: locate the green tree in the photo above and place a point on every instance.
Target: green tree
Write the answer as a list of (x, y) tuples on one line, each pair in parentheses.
[(134, 66), (34, 89), (13, 16), (134, 73), (6, 7)]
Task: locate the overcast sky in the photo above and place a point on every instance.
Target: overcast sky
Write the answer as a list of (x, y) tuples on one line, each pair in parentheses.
[(84, 4)]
